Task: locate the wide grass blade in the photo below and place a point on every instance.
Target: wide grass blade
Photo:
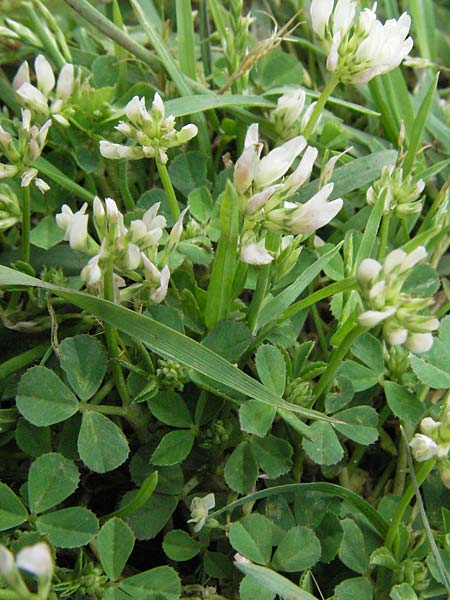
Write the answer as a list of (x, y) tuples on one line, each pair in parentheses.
[(166, 342), (185, 37), (273, 581)]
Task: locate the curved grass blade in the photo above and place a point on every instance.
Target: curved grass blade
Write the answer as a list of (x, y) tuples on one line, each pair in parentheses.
[(273, 581), (145, 492)]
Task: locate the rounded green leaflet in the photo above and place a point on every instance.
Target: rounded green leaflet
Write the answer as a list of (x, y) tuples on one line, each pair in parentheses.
[(84, 361), (115, 543), (161, 580), (51, 479), (43, 399), (12, 511), (101, 444), (298, 550), (69, 528), (174, 447), (252, 537), (178, 545), (33, 440)]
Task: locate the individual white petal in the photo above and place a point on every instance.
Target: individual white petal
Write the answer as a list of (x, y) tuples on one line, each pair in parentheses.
[(160, 293), (368, 270), (255, 254), (343, 16), (119, 151), (245, 168), (258, 200), (277, 162), (303, 172), (137, 230), (333, 54), (320, 11), (158, 105), (8, 171), (92, 273), (186, 133), (44, 75), (43, 132), (429, 426), (112, 212), (419, 342), (22, 76), (252, 135), (41, 185), (27, 177), (6, 561), (66, 82), (393, 260), (414, 257), (35, 559), (133, 257), (33, 98), (395, 336), (371, 318), (78, 231)]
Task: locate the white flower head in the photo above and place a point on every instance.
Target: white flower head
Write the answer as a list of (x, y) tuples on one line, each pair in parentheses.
[(423, 448), (200, 508), (35, 559)]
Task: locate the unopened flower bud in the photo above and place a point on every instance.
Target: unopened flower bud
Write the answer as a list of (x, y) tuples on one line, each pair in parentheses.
[(368, 271), (44, 75), (429, 426)]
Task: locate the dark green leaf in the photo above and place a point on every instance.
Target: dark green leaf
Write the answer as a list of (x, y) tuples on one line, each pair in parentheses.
[(115, 542), (256, 418), (299, 550), (173, 448), (33, 440), (169, 408), (179, 546), (101, 444), (323, 447), (241, 469), (404, 405), (271, 368), (353, 551), (360, 424), (161, 581), (252, 537), (51, 479), (273, 454), (83, 359), (69, 528), (12, 512)]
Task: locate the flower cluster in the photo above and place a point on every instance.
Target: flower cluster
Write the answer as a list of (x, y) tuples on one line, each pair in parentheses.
[(153, 132), (402, 194), (49, 97), (290, 116), (123, 248), (359, 47), (402, 315), (22, 151), (264, 193), (434, 442)]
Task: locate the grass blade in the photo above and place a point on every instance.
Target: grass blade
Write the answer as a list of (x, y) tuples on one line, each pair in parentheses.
[(273, 581), (422, 12), (49, 170), (185, 36)]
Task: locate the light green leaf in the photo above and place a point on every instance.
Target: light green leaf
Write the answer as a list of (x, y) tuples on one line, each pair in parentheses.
[(241, 469), (433, 367), (323, 447), (273, 454), (43, 399), (46, 234), (361, 377), (12, 512), (51, 479), (360, 424), (188, 172), (230, 339), (69, 528), (299, 550), (252, 537), (101, 444), (404, 405), (180, 546), (357, 587), (83, 359), (271, 368), (170, 408), (353, 551), (173, 448), (256, 418), (368, 349), (161, 580), (403, 591), (115, 542), (33, 440)]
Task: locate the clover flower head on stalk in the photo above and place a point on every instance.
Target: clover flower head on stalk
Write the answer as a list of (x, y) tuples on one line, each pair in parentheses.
[(50, 97), (200, 508), (23, 150), (153, 132), (359, 46), (290, 116), (404, 317), (402, 193)]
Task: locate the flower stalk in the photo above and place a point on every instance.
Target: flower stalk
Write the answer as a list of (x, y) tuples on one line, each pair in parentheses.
[(26, 216)]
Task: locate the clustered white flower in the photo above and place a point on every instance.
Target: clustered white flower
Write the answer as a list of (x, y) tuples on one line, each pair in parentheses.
[(290, 116), (22, 151), (402, 193), (200, 508), (359, 46), (403, 316), (153, 132), (125, 248), (264, 191), (434, 442), (44, 99)]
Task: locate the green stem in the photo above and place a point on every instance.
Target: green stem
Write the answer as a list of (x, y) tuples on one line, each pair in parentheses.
[(323, 98), (8, 367), (111, 340), (400, 474), (337, 356), (168, 188), (422, 473), (48, 41), (262, 284), (26, 215), (384, 235)]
